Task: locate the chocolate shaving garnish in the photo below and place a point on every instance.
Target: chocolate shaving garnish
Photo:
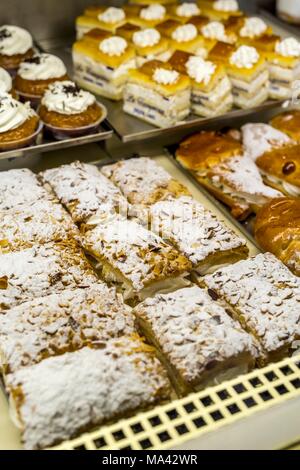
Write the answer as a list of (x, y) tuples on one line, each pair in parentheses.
[(213, 294), (4, 34), (33, 60), (71, 90)]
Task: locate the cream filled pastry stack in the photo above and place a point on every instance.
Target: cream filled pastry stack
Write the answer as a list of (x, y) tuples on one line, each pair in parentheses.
[(106, 18), (211, 87), (149, 44), (183, 37), (284, 67), (149, 16), (158, 94), (249, 76), (102, 62), (220, 9)]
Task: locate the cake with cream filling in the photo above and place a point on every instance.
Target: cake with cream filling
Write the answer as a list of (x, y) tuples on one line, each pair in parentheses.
[(16, 45), (255, 32), (106, 18), (183, 37), (37, 73), (184, 11), (150, 45), (284, 67), (149, 16), (211, 88), (102, 63), (158, 94), (249, 75), (220, 9), (197, 340)]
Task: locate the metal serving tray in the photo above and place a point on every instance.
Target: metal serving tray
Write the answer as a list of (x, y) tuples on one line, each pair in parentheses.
[(213, 418)]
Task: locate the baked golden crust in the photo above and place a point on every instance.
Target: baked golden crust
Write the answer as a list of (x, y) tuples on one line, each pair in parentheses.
[(204, 150), (35, 87), (289, 123), (127, 31), (86, 118), (277, 230), (265, 43), (221, 52), (282, 163), (25, 130), (13, 61)]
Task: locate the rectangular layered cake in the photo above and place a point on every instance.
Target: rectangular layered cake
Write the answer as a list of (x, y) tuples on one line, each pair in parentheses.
[(38, 223), (138, 261), (63, 396), (42, 270), (196, 233), (143, 182), (63, 322), (183, 37), (220, 9), (249, 75), (20, 187), (149, 44), (106, 18), (264, 296), (84, 191), (102, 62), (158, 94), (284, 68), (197, 340), (211, 87)]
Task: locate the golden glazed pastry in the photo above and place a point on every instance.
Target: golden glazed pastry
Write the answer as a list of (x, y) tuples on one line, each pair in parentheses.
[(220, 9), (289, 123), (16, 45), (218, 162), (149, 16), (37, 73), (18, 122), (280, 168), (183, 37), (277, 229), (106, 18), (66, 106), (149, 44)]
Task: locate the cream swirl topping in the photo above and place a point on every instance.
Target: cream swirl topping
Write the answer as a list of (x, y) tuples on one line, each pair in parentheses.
[(114, 46), (288, 47), (165, 77), (245, 57), (42, 67), (185, 33), (214, 30), (13, 113), (14, 40), (153, 12), (67, 98), (146, 38), (200, 70), (226, 5), (5, 81), (112, 15), (253, 27), (187, 10)]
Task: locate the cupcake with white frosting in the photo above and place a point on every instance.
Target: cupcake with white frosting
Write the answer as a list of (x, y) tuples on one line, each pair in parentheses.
[(67, 110), (36, 74), (19, 124), (6, 84), (16, 45)]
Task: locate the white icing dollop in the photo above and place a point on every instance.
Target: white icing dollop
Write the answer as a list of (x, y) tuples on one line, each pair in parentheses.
[(14, 40), (153, 12), (288, 47), (5, 81), (146, 38), (185, 33), (114, 46), (253, 27), (245, 57), (165, 77), (42, 67), (112, 15), (214, 30), (226, 5), (13, 113), (200, 70), (66, 98), (187, 10)]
